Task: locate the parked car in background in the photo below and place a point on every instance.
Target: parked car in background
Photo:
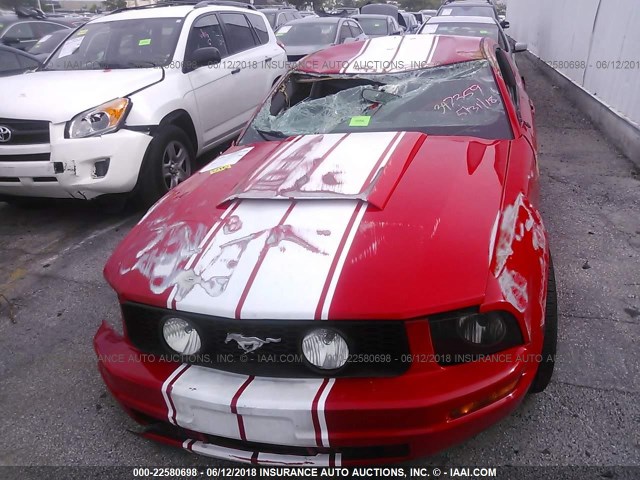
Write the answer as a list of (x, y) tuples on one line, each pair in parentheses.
[(252, 293), (24, 29), (410, 21), (378, 25), (138, 95), (418, 17), (307, 13), (308, 35), (385, 9), (14, 62), (471, 27), (478, 8), (279, 16), (428, 13), (48, 43)]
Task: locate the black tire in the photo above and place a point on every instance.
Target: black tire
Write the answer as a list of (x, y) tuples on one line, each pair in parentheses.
[(550, 343), (153, 182)]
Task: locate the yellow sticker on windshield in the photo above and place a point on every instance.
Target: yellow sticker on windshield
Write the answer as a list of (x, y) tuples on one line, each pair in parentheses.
[(362, 121), (82, 32), (144, 41), (219, 169)]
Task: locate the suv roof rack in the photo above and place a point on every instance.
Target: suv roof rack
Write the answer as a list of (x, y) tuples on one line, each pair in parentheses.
[(196, 4)]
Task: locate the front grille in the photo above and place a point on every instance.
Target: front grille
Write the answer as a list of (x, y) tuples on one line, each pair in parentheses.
[(29, 157), (377, 348), (26, 132)]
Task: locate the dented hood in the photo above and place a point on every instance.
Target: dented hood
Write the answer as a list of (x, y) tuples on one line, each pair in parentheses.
[(341, 226)]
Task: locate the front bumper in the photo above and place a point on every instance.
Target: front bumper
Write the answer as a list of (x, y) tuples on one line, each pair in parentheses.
[(71, 169), (308, 421)]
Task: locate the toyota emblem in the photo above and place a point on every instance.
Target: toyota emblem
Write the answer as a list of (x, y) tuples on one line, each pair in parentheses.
[(5, 134)]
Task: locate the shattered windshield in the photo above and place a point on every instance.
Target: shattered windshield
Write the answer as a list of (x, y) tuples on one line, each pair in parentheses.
[(458, 99)]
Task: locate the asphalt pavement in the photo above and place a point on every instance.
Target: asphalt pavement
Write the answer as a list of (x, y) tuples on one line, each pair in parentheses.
[(56, 410)]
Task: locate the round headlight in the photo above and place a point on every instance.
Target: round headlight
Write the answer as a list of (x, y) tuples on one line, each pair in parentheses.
[(325, 349), (181, 336), (482, 329)]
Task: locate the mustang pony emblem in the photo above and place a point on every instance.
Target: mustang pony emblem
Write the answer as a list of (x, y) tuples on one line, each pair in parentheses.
[(249, 344)]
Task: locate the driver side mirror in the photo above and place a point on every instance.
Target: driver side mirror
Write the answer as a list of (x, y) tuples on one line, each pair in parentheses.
[(504, 24), (203, 56), (520, 47), (10, 40)]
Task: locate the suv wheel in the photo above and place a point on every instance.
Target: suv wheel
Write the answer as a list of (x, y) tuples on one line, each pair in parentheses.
[(545, 367), (168, 162)]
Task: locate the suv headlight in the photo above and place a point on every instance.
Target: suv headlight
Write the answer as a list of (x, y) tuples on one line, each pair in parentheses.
[(467, 335), (102, 119)]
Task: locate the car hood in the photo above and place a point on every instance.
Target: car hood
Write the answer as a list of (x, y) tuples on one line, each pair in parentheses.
[(379, 225), (30, 96)]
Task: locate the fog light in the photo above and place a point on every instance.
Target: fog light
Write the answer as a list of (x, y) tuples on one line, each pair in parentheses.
[(100, 168), (181, 336), (325, 349), (482, 329)]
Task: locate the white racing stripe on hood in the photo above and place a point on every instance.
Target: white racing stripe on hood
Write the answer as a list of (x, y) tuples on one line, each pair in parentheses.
[(265, 410), (279, 411), (224, 268), (202, 399)]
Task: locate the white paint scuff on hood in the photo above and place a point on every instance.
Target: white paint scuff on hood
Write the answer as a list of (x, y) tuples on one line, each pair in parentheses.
[(58, 96)]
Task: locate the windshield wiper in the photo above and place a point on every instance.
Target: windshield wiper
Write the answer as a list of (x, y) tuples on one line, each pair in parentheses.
[(138, 64), (271, 133)]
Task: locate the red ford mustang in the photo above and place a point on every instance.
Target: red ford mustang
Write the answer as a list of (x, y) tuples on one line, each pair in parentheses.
[(364, 277)]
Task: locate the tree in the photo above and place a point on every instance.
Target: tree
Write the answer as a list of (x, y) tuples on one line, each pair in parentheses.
[(114, 4)]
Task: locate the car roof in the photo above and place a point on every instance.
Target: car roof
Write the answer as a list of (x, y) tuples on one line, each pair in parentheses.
[(461, 19), (171, 11), (426, 49), (467, 3), (371, 15), (317, 20)]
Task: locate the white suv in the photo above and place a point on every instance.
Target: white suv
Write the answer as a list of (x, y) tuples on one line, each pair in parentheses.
[(129, 100)]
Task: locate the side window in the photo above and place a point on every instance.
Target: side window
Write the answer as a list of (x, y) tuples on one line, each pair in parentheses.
[(281, 19), (237, 32), (20, 31), (260, 28), (344, 33), (8, 61), (355, 29), (45, 28), (206, 32), (27, 62)]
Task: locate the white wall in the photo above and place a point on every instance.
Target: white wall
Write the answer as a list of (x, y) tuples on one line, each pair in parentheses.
[(594, 34)]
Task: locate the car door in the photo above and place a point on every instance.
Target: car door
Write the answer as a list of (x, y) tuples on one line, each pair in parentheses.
[(269, 51), (214, 87), (246, 59)]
